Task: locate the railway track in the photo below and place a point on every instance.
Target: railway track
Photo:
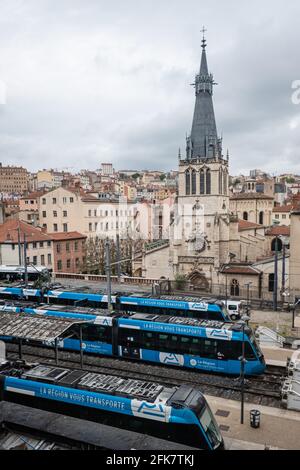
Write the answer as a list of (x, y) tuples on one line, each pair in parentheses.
[(263, 390)]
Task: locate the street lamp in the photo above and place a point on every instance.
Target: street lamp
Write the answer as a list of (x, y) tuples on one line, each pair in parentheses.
[(294, 308), (244, 322), (108, 266), (248, 284)]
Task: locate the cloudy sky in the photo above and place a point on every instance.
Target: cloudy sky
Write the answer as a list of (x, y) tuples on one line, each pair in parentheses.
[(90, 81)]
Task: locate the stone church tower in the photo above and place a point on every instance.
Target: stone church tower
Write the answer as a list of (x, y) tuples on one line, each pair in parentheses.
[(203, 180), (200, 232)]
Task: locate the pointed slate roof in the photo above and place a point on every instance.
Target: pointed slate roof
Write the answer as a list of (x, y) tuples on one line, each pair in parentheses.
[(203, 141)]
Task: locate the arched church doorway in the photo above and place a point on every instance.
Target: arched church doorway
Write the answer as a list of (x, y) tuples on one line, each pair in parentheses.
[(279, 244), (199, 280)]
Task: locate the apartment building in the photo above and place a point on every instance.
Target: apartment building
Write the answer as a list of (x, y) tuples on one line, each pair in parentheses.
[(61, 252), (68, 251), (253, 207), (39, 244), (282, 214), (66, 210), (13, 179)]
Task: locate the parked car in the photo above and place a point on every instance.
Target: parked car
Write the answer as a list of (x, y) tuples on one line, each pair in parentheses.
[(236, 308)]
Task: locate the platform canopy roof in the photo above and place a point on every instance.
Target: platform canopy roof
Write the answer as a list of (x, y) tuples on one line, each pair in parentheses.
[(35, 327)]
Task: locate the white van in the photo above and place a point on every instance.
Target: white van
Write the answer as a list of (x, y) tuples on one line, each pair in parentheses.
[(235, 308)]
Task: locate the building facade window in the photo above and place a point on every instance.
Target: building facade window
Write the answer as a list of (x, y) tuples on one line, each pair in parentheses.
[(54, 200), (220, 181), (59, 265), (65, 213), (245, 215), (58, 248), (271, 282), (54, 213), (55, 229), (68, 246), (278, 242), (202, 182), (43, 260), (235, 288), (68, 263), (75, 246), (261, 218), (194, 179), (49, 259), (187, 182), (65, 227), (208, 181), (225, 183), (34, 260), (44, 213)]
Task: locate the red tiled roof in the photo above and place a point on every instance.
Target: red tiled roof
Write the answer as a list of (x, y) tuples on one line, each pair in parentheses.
[(241, 270), (60, 236), (9, 232), (89, 198), (279, 230), (34, 195), (238, 196), (287, 208), (246, 225)]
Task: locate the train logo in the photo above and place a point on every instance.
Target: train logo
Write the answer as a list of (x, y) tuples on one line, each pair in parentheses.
[(171, 359), (201, 306), (156, 411), (219, 334)]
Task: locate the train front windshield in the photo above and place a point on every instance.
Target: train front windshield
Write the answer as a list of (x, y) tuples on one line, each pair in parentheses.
[(225, 313), (210, 427), (255, 345)]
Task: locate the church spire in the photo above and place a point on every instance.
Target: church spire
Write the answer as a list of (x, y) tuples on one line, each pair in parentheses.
[(203, 141)]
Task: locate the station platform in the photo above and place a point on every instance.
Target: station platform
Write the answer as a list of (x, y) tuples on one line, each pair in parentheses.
[(297, 321), (276, 356), (279, 428)]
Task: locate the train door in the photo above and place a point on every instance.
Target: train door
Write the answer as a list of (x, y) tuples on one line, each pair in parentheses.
[(129, 344)]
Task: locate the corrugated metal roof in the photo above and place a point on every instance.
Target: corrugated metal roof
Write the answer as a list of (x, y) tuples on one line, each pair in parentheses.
[(34, 327)]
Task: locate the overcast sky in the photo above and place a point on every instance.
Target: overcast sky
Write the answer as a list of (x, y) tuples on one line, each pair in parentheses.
[(91, 81)]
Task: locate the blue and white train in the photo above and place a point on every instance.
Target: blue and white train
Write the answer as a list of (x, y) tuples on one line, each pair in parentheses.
[(193, 307), (179, 414), (176, 341)]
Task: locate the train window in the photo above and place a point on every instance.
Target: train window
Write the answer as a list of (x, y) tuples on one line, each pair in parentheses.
[(195, 346), (209, 348), (233, 350), (249, 353), (129, 337), (184, 344), (96, 333), (149, 340), (163, 344), (72, 332)]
